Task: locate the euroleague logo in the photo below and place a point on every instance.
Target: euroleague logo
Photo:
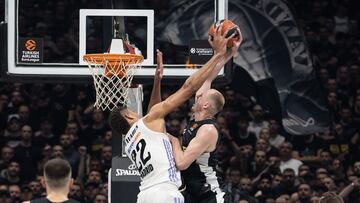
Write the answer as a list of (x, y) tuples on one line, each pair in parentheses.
[(30, 45)]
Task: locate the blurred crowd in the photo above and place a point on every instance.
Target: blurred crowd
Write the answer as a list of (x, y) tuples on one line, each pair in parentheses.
[(258, 161)]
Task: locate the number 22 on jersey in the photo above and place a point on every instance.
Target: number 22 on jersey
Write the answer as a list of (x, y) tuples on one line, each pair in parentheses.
[(140, 158)]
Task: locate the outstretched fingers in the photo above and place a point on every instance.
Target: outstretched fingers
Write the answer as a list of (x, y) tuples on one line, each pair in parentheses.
[(160, 64)]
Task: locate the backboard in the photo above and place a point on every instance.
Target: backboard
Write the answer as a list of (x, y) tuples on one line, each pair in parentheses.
[(47, 39)]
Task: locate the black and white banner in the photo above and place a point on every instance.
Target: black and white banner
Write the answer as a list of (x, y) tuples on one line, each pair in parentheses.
[(273, 47)]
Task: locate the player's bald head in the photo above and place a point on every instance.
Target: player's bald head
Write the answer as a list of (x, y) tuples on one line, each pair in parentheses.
[(217, 100)]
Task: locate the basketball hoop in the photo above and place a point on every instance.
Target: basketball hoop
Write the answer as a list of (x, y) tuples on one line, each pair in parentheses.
[(112, 74)]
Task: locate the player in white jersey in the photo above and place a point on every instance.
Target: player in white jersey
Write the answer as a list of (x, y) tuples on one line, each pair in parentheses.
[(146, 142)]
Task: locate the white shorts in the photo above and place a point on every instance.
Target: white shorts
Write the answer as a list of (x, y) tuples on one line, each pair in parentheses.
[(162, 193)]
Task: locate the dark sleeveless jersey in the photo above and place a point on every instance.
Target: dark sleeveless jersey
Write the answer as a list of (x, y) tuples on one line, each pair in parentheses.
[(45, 200), (200, 177)]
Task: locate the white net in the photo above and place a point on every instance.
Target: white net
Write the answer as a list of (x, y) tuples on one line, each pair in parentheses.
[(112, 74)]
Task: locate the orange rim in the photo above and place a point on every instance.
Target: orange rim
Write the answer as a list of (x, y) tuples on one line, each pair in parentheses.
[(113, 58)]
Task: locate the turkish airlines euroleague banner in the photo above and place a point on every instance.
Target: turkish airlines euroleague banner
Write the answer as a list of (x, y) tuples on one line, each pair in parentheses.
[(273, 47), (30, 50)]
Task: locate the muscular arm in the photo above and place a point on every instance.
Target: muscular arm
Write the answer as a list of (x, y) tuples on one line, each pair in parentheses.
[(229, 54), (204, 141), (189, 88), (156, 90), (349, 188), (194, 82)]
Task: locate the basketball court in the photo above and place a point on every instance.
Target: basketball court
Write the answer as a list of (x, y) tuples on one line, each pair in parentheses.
[(95, 29)]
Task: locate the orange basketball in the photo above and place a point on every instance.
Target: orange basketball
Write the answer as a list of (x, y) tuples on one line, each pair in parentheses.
[(227, 25)]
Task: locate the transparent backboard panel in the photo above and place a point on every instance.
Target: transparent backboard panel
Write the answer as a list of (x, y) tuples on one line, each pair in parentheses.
[(62, 31)]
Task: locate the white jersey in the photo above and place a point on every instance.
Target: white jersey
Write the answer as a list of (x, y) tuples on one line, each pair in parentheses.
[(151, 152)]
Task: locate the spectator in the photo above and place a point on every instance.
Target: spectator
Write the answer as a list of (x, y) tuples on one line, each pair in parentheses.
[(46, 155), (11, 175), (73, 130), (330, 184), (57, 152), (105, 188), (264, 133), (70, 153), (286, 160), (15, 192), (27, 154), (91, 189), (12, 132), (243, 136), (7, 154), (308, 148), (339, 146), (276, 180), (259, 163), (258, 121), (289, 183), (92, 135), (36, 189), (337, 170), (341, 20), (76, 192), (4, 196), (264, 188), (24, 115), (100, 198), (106, 158), (263, 145), (107, 138), (275, 138), (304, 193), (94, 177), (325, 159), (246, 187), (45, 135), (16, 100), (343, 81)]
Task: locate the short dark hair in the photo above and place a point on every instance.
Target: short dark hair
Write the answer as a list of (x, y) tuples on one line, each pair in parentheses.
[(57, 173), (118, 122)]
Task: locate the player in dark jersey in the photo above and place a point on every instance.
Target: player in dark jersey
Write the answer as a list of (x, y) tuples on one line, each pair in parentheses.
[(195, 155), (57, 180)]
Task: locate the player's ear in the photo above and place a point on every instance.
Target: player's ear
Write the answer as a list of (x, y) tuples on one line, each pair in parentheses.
[(206, 105)]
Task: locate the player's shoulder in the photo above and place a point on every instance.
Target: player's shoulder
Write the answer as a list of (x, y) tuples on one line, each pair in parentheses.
[(208, 126), (207, 129), (154, 124)]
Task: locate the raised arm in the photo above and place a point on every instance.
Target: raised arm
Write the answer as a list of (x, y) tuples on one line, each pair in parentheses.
[(349, 188), (194, 82), (156, 90), (229, 54)]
